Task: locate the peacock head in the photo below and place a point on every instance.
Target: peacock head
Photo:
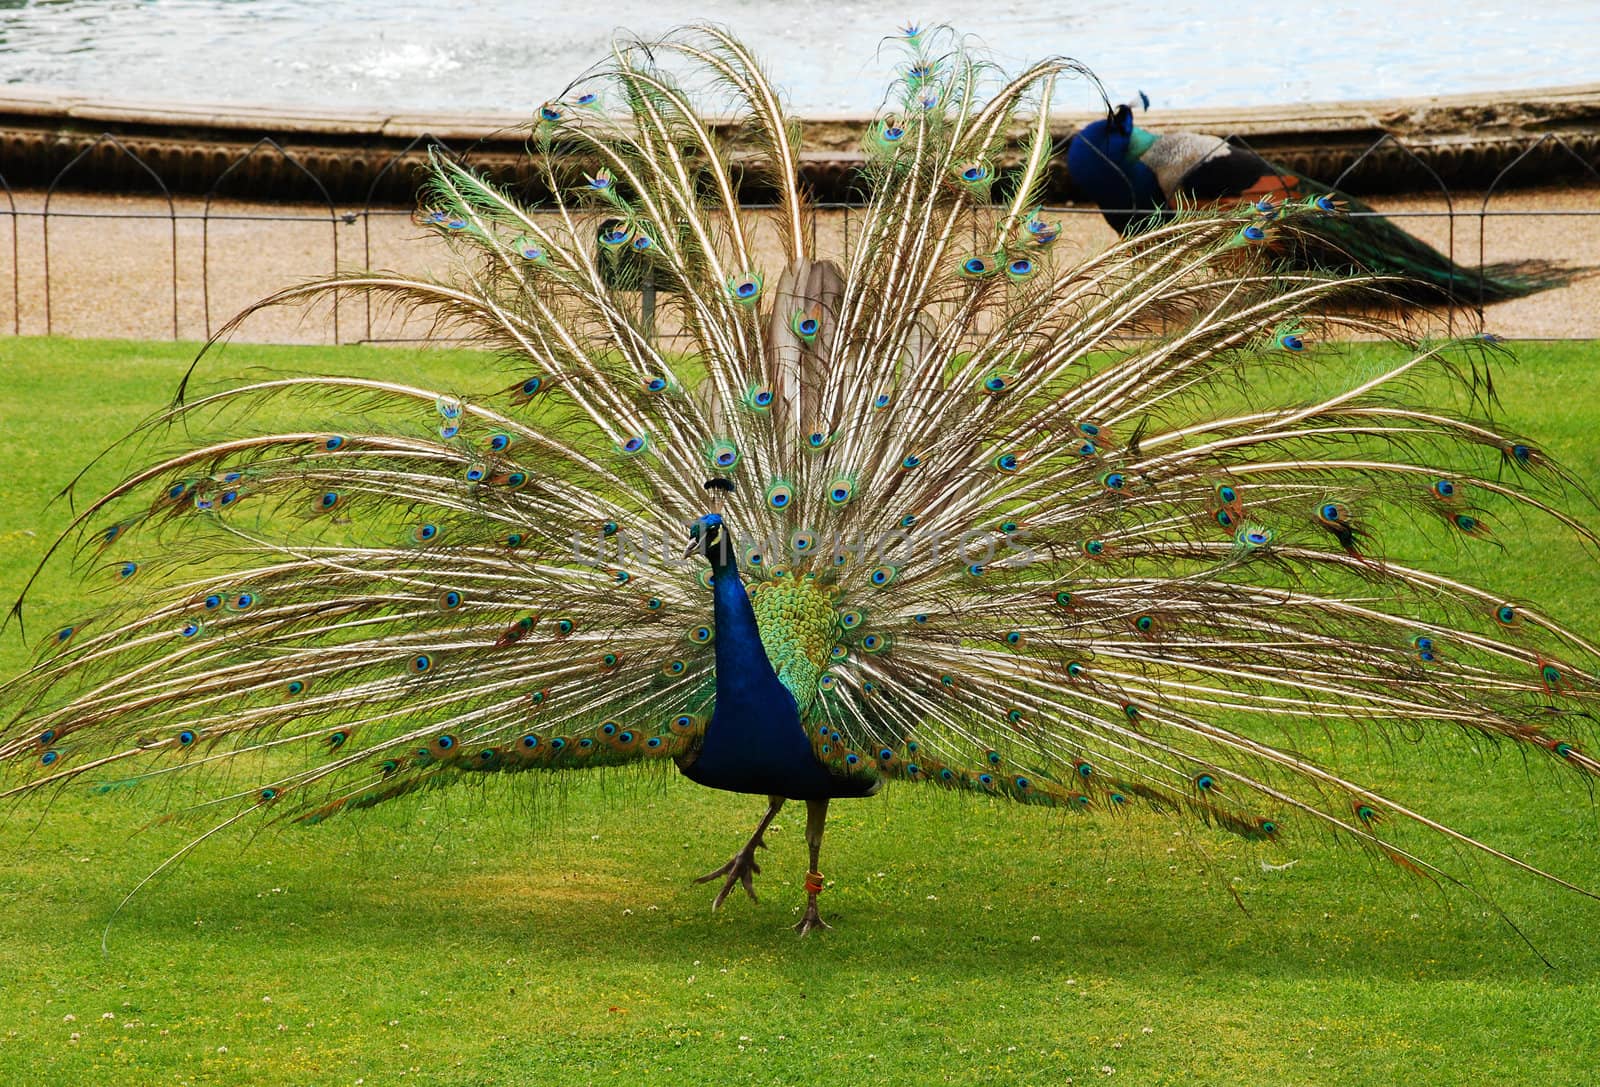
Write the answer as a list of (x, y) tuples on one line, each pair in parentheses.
[(1109, 143), (709, 536)]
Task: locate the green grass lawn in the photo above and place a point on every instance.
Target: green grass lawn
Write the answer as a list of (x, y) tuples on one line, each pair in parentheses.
[(475, 937)]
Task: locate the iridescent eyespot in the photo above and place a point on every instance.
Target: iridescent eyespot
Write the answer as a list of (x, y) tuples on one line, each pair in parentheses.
[(1113, 481), (49, 757), (1253, 233), (514, 540), (1444, 488), (976, 267), (758, 397), (420, 663), (449, 600), (779, 496), (817, 439), (294, 687), (975, 569), (333, 442), (973, 173), (1094, 547), (548, 112), (498, 442), (722, 454), (586, 99), (615, 234), (1006, 462), (745, 288), (242, 602), (1506, 615), (840, 490), (329, 500), (641, 242), (910, 461), (881, 401), (1021, 268), (850, 619), (528, 249), (1064, 599), (1227, 493), (1290, 342), (634, 444), (186, 737), (599, 181), (806, 324), (882, 575), (424, 532), (190, 629), (127, 569), (656, 385), (997, 383), (530, 386), (700, 635), (674, 667), (803, 542), (1014, 637)]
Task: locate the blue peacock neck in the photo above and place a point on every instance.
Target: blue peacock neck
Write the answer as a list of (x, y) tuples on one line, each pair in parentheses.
[(744, 670), (754, 742)]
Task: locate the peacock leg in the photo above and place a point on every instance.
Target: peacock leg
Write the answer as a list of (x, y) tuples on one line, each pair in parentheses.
[(742, 867), (816, 819)]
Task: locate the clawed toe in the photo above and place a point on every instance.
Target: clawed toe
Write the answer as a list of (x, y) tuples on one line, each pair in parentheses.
[(740, 870), (811, 921)]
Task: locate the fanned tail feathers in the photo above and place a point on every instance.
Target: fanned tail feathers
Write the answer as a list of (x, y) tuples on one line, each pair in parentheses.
[(1086, 538)]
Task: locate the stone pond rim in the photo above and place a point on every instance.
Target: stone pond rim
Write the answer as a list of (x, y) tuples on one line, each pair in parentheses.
[(1466, 139)]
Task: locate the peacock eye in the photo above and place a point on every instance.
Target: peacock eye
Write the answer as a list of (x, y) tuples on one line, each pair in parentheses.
[(745, 288), (1020, 268)]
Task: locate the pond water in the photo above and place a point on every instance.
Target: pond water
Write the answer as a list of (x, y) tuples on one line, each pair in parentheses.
[(505, 55)]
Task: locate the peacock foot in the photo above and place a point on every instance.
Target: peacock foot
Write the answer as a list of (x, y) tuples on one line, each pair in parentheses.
[(811, 920), (740, 869)]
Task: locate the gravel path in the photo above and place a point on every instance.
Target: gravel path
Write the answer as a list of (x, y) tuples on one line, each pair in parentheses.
[(113, 276)]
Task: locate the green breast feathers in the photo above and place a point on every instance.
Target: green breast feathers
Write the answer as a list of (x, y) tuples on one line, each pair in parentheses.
[(798, 623)]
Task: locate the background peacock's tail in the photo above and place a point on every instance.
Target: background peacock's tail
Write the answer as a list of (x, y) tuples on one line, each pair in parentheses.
[(1089, 533), (1365, 241)]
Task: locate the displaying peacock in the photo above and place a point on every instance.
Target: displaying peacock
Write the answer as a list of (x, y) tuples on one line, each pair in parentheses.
[(960, 513), (1138, 177)]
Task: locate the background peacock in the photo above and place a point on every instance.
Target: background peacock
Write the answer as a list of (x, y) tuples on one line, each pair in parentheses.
[(958, 512), (1138, 177)]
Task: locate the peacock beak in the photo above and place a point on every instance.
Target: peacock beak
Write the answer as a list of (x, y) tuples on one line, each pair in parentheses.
[(693, 549)]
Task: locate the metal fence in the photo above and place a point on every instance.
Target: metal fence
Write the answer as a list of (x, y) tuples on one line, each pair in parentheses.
[(167, 266)]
